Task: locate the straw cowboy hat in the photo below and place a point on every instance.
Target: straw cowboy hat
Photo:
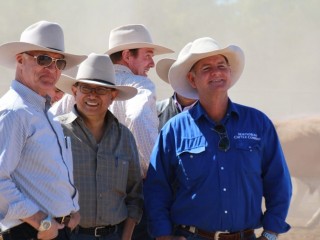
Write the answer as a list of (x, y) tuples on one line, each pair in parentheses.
[(162, 68), (131, 37), (195, 51), (97, 69), (40, 36)]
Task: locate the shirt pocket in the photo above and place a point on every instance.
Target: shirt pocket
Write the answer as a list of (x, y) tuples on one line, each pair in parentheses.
[(193, 165), (121, 173), (249, 156)]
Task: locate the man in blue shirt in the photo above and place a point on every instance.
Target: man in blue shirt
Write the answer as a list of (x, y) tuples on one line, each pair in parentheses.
[(213, 164)]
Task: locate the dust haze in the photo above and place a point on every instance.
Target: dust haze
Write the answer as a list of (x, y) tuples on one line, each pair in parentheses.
[(281, 41)]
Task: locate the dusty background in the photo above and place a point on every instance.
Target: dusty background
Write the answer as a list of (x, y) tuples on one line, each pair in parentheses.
[(280, 39)]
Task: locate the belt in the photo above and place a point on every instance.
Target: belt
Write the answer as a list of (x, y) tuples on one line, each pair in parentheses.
[(98, 231), (219, 235)]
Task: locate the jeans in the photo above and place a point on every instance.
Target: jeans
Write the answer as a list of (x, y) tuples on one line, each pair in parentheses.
[(112, 236), (194, 236)]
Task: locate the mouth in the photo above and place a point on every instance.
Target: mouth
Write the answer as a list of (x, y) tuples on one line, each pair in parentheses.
[(91, 103)]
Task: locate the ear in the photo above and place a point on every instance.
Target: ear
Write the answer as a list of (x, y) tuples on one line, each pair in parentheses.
[(74, 90), (114, 94), (125, 55), (191, 79), (19, 58)]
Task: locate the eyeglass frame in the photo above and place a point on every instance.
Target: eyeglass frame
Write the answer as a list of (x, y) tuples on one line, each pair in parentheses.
[(81, 86), (223, 134), (55, 60)]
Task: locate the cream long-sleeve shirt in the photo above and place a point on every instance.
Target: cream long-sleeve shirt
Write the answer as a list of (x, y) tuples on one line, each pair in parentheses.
[(139, 113)]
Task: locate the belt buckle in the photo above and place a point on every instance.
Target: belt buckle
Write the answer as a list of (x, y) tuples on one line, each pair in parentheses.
[(95, 231), (217, 234)]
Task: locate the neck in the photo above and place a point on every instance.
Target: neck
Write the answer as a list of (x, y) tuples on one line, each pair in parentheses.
[(216, 107), (96, 125)]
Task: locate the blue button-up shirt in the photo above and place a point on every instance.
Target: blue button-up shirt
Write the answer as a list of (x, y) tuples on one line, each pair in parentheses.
[(191, 182)]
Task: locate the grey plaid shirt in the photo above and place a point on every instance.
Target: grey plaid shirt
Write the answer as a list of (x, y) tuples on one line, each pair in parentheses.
[(107, 174)]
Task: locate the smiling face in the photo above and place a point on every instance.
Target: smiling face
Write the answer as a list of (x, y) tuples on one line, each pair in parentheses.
[(91, 104), (210, 76), (142, 62), (38, 78)]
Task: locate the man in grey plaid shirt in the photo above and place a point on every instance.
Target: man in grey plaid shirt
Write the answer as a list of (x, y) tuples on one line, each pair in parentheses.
[(106, 163)]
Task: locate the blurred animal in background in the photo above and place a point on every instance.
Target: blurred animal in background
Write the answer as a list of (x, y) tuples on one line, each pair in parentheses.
[(300, 140)]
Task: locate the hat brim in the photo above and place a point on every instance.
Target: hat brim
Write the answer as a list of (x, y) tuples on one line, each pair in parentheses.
[(162, 68), (180, 68), (66, 82), (158, 50), (8, 52)]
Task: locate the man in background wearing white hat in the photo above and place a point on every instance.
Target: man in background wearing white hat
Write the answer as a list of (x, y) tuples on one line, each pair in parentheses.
[(106, 162), (213, 164), (36, 178), (131, 50), (169, 107)]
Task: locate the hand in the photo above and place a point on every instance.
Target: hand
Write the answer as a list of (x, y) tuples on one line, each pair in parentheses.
[(171, 238), (74, 220), (52, 232), (261, 238)]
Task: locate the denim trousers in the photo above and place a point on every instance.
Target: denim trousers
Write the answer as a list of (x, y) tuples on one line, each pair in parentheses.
[(77, 236)]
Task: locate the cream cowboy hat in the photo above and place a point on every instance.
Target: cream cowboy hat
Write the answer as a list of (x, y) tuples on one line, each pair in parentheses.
[(40, 36), (97, 69), (162, 68), (131, 37), (195, 51)]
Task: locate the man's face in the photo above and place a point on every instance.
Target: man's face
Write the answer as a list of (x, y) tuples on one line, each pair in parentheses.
[(38, 78), (141, 64), (211, 75), (90, 100), (56, 94)]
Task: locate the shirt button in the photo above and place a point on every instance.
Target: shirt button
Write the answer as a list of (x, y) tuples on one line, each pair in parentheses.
[(226, 212), (222, 168), (224, 189), (191, 156)]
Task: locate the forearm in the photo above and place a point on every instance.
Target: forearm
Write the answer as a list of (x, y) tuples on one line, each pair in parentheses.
[(128, 228)]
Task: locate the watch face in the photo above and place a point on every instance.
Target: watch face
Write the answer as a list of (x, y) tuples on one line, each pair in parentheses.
[(46, 225), (269, 236)]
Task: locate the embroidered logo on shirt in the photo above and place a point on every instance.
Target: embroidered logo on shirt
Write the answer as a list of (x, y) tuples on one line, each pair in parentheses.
[(252, 136)]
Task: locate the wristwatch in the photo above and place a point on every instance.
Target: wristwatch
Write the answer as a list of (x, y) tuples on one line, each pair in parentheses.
[(270, 236), (45, 224)]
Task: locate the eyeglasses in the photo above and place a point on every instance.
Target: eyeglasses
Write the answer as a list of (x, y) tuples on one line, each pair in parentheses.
[(98, 90), (224, 142), (46, 61)]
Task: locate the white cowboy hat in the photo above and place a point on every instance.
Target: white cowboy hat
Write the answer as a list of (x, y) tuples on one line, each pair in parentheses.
[(162, 68), (131, 37), (97, 69), (195, 51), (40, 36)]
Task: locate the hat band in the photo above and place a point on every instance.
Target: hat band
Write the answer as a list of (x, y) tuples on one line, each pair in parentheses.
[(97, 80)]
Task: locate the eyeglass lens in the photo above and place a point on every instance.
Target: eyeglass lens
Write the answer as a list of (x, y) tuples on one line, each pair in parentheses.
[(224, 142), (46, 61), (99, 90)]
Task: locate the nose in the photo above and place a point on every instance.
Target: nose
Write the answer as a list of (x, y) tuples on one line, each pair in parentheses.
[(151, 64), (52, 66)]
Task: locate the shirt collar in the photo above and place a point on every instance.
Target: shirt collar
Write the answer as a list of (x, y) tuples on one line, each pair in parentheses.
[(121, 68), (179, 106), (30, 96), (198, 111)]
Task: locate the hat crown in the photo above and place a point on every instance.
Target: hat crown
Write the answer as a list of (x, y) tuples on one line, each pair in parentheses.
[(203, 45), (97, 67), (45, 34), (133, 33)]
